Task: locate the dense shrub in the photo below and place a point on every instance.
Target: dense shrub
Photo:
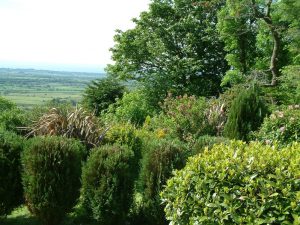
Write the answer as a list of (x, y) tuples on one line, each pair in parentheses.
[(6, 104), (123, 134), (133, 107), (237, 184), (10, 116), (160, 158), (101, 93), (206, 141), (282, 126), (108, 181), (183, 117), (245, 115), (51, 176), (11, 193)]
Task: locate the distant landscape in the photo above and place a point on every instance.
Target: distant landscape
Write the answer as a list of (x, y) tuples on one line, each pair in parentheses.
[(30, 87)]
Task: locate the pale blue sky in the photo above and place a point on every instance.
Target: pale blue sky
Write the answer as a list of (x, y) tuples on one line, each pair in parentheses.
[(62, 33)]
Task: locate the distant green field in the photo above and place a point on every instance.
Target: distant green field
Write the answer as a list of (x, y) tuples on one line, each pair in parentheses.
[(28, 87)]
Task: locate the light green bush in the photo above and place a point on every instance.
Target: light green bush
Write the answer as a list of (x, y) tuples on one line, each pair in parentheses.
[(236, 184), (282, 126), (133, 107)]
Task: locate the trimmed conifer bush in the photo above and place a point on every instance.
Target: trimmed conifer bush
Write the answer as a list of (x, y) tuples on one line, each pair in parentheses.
[(245, 115), (108, 182), (11, 192), (51, 176), (160, 158), (237, 184)]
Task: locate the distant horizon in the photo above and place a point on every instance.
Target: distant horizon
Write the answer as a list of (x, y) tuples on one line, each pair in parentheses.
[(54, 67)]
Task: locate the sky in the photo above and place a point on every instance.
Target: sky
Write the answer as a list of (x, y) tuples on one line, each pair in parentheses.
[(63, 34)]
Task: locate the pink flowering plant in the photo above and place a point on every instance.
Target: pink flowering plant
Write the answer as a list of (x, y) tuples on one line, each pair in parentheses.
[(282, 126)]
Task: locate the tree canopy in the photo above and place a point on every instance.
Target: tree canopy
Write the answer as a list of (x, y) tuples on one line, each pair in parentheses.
[(174, 47)]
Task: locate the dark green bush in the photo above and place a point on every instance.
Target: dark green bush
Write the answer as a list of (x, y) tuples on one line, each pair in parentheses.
[(206, 141), (108, 182), (101, 93), (245, 115), (160, 158), (282, 126), (237, 184), (51, 176), (11, 192)]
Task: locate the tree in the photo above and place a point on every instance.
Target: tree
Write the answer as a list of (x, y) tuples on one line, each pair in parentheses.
[(256, 25), (99, 94), (174, 47)]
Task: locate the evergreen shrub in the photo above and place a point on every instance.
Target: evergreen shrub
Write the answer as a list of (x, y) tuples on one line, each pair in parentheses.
[(160, 158), (245, 115), (236, 184), (51, 176), (11, 191), (108, 183)]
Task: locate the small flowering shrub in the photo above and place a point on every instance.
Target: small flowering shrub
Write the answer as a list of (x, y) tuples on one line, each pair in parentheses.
[(236, 184), (183, 117), (281, 126)]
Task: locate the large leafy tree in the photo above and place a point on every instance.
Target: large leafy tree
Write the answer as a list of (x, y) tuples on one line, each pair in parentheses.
[(256, 31), (174, 47)]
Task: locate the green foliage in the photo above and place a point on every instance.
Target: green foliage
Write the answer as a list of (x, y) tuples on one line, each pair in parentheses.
[(108, 181), (236, 184), (51, 176), (206, 141), (6, 104), (259, 36), (182, 117), (10, 116), (289, 13), (282, 126), (169, 50), (237, 28), (11, 192), (160, 158), (246, 114), (101, 93), (133, 107), (289, 89), (123, 134)]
